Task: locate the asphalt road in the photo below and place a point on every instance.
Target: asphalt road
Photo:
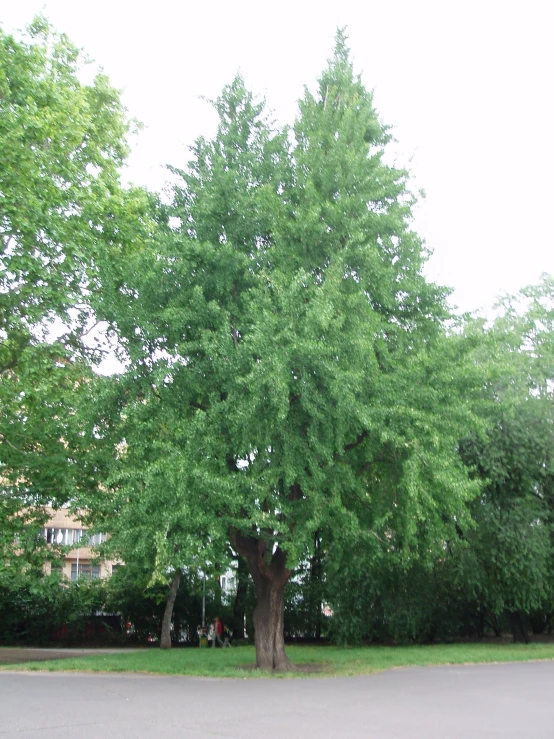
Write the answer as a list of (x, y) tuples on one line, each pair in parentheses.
[(469, 702)]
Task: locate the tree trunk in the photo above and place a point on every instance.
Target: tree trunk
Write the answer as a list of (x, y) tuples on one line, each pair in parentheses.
[(316, 588), (165, 640), (269, 626), (240, 598), (270, 578), (493, 623), (517, 628)]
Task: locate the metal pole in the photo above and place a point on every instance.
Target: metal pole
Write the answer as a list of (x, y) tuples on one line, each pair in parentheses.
[(78, 549), (204, 603)]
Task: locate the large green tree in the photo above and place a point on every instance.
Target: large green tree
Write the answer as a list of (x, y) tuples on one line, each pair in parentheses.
[(62, 143), (286, 339)]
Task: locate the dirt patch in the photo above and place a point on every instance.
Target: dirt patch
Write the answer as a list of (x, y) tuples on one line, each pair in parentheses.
[(308, 668), (20, 655)]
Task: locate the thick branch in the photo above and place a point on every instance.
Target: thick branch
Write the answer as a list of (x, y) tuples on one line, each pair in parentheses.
[(254, 550), (9, 365), (359, 440), (198, 406), (295, 492), (8, 442)]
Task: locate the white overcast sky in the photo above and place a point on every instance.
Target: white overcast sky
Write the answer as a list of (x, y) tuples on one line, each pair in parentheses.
[(467, 86)]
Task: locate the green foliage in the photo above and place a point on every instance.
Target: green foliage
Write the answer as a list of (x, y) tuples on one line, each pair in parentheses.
[(62, 144), (496, 561), (306, 597), (129, 593), (286, 356), (378, 597), (35, 608), (509, 561)]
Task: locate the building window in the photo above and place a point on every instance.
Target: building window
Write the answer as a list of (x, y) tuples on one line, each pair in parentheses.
[(77, 536), (96, 539), (64, 537), (89, 572), (72, 537), (227, 583)]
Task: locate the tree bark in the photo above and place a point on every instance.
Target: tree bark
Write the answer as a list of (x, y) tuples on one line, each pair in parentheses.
[(269, 626), (519, 633), (240, 598), (315, 588), (165, 639), (270, 575)]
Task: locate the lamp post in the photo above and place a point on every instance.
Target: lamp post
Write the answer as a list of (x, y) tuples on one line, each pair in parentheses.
[(204, 602)]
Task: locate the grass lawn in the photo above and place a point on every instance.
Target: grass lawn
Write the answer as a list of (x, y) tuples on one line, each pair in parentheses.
[(326, 660)]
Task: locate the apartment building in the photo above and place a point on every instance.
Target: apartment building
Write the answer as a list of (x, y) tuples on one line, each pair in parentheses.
[(80, 561)]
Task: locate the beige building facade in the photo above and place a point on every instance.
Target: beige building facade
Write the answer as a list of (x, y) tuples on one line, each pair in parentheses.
[(81, 561)]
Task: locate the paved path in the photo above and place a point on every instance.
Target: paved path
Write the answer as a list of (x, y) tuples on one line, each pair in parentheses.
[(467, 702)]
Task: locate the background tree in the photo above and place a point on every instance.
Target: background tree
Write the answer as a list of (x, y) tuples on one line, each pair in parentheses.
[(147, 505), (510, 555), (388, 578), (141, 604), (493, 571), (62, 145)]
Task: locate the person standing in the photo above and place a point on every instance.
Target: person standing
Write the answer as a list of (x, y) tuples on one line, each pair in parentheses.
[(218, 633), (227, 634)]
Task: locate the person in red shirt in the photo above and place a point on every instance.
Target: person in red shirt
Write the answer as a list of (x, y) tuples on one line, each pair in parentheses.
[(218, 632)]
